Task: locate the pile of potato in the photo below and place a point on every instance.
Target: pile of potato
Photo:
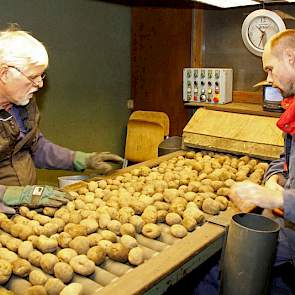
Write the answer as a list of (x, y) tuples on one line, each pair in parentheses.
[(106, 216)]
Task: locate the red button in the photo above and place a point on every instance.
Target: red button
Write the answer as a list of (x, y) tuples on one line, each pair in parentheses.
[(215, 99)]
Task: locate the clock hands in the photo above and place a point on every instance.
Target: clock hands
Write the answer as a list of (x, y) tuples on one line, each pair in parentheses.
[(263, 32)]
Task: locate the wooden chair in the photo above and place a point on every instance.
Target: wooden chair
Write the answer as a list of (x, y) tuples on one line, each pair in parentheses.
[(145, 131)]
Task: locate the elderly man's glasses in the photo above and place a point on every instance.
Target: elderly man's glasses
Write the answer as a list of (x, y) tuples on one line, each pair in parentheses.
[(32, 80)]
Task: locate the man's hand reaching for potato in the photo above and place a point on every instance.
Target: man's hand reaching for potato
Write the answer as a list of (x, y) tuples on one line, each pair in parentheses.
[(257, 195)]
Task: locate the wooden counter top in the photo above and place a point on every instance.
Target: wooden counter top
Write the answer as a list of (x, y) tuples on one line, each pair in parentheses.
[(235, 107)]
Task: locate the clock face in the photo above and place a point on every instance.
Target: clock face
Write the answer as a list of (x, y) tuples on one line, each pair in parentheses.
[(258, 27), (260, 30)]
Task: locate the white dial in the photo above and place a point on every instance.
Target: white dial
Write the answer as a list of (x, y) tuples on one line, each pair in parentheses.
[(260, 30), (258, 27)]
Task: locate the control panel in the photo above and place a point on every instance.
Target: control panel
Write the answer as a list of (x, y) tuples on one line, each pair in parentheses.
[(211, 85)]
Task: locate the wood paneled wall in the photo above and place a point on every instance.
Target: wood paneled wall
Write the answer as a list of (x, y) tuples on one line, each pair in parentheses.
[(161, 48)]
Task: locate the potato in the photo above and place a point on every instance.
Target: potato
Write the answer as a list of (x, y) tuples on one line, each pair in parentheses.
[(59, 222), (31, 214), (151, 230), (64, 240), (173, 218), (21, 267), (161, 216), (4, 291), (42, 219), (118, 252), (223, 202), (92, 186), (23, 211), (82, 265), (195, 213), (108, 235), (190, 196), (104, 244), (138, 206), (37, 277), (161, 205), (114, 226), (211, 206), (65, 255), (229, 183), (36, 290), (75, 217), (7, 255), (136, 256), (35, 257), (206, 188), (223, 191), (4, 238), (46, 245), (54, 286), (24, 249), (49, 211), (47, 262), (90, 224), (104, 220), (97, 254), (189, 223), (127, 229), (93, 239), (50, 229), (178, 231), (75, 230), (80, 245), (6, 225), (63, 271), (72, 289), (13, 244), (128, 242), (170, 194), (5, 271), (137, 222)]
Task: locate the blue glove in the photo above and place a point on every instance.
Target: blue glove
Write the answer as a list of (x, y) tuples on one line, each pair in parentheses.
[(96, 161), (35, 196)]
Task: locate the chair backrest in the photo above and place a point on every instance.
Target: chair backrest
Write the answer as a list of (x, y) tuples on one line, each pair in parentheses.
[(154, 117), (142, 140)]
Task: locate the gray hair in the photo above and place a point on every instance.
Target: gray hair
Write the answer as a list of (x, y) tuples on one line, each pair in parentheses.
[(21, 49)]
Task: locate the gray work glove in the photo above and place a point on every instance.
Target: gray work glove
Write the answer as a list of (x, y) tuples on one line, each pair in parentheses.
[(96, 161), (35, 196)]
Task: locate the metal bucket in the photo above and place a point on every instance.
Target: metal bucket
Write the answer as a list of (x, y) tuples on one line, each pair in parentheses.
[(170, 145), (66, 180), (249, 254)]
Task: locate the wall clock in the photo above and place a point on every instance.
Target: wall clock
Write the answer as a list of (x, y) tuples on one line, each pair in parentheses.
[(258, 27)]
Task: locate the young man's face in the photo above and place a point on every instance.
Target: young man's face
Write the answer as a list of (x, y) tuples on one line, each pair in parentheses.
[(280, 72), (20, 85)]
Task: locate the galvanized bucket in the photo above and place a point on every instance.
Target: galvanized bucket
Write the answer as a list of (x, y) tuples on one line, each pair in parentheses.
[(248, 255)]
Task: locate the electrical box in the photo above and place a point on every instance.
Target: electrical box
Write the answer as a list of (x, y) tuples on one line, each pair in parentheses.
[(210, 85)]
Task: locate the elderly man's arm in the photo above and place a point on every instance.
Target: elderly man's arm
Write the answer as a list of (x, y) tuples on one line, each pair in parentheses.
[(51, 156)]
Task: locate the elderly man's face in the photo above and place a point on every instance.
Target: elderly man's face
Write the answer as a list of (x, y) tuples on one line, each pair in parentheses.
[(280, 73), (21, 84)]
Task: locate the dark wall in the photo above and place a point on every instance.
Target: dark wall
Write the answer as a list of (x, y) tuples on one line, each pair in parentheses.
[(224, 47), (83, 104)]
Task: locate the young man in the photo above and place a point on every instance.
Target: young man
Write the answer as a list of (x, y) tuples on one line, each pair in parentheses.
[(23, 148), (279, 191)]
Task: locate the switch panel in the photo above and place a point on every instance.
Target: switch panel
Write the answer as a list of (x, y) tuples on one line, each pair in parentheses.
[(211, 85)]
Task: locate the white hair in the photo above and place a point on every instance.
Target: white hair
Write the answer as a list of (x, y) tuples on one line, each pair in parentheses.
[(21, 49)]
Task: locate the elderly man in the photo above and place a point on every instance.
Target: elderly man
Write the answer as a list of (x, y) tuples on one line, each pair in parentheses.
[(23, 60)]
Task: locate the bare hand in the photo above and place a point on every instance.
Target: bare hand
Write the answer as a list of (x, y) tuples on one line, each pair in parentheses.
[(258, 195)]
